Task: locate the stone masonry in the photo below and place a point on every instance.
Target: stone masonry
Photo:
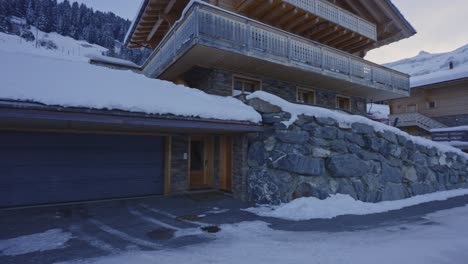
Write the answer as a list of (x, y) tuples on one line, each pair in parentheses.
[(219, 82), (318, 156)]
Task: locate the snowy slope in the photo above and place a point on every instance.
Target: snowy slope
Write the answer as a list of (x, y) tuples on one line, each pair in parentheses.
[(426, 68), (67, 48)]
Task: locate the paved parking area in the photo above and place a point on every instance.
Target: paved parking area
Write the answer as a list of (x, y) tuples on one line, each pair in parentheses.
[(62, 233)]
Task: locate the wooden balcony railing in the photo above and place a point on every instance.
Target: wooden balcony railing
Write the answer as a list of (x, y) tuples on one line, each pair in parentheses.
[(337, 15), (208, 25)]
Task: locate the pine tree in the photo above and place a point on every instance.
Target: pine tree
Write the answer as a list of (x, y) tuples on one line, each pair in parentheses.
[(42, 21), (31, 13)]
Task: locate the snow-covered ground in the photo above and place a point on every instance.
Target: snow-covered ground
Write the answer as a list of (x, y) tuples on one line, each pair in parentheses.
[(59, 79), (427, 68), (307, 208), (438, 238), (48, 240)]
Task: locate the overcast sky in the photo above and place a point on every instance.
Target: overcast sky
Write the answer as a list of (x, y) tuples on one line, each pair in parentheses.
[(442, 25)]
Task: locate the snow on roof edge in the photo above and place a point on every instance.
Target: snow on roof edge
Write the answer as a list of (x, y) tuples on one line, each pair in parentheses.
[(346, 119)]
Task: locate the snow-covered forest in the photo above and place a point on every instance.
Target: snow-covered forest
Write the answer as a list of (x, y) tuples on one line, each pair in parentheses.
[(69, 19)]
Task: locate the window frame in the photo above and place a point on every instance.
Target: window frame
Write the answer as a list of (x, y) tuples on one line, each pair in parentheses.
[(245, 79), (337, 104), (428, 104), (309, 90)]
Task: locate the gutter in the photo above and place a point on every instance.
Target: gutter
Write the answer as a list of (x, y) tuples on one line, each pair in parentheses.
[(407, 23), (134, 24)]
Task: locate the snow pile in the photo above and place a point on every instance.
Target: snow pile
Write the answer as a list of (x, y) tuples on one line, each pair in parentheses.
[(78, 84), (67, 47), (345, 120), (51, 239), (378, 111), (307, 208), (427, 68)]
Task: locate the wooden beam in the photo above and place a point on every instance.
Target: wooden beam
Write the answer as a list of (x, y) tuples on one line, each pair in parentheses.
[(168, 9), (167, 165), (345, 45), (333, 32), (291, 14), (340, 41), (296, 22), (278, 10), (308, 25), (363, 47), (342, 34), (262, 9), (243, 5)]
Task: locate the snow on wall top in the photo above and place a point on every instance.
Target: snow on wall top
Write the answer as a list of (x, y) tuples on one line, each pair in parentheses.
[(427, 68), (75, 83), (345, 119)]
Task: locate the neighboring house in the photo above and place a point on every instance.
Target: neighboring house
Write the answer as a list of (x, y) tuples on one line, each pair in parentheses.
[(439, 92), (303, 51), (436, 104)]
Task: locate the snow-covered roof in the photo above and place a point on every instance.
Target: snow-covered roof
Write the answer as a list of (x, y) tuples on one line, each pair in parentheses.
[(75, 83), (112, 60), (450, 129), (427, 68)]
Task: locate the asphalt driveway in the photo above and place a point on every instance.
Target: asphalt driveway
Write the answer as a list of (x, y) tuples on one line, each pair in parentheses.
[(106, 228)]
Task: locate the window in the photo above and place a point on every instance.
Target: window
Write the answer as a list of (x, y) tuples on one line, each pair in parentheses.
[(305, 96), (411, 108), (431, 104), (245, 86), (343, 103)]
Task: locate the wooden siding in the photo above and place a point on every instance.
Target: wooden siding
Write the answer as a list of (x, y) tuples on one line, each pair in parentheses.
[(451, 99)]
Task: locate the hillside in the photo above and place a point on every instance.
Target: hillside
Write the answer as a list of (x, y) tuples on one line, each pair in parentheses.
[(70, 19), (426, 68), (51, 45)]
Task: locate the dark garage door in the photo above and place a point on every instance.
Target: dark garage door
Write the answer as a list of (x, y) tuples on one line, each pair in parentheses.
[(42, 168)]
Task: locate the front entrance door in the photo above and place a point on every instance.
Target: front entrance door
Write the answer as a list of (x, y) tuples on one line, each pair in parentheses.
[(201, 162)]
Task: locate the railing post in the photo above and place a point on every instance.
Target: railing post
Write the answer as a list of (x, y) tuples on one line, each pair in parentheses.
[(249, 35), (197, 22)]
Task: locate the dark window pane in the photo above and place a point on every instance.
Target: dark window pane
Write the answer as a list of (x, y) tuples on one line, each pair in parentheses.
[(196, 155)]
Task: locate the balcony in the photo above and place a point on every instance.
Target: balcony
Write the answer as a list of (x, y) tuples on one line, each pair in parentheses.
[(337, 15), (211, 37)]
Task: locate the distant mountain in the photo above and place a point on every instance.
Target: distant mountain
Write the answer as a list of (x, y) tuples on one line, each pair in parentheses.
[(428, 68), (71, 20)]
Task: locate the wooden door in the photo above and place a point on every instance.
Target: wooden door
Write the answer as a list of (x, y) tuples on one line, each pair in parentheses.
[(201, 162), (225, 180)]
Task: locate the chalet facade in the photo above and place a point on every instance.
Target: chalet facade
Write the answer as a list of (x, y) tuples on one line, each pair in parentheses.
[(303, 51)]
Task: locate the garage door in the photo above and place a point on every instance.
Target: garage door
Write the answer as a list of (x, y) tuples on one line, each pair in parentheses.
[(43, 168)]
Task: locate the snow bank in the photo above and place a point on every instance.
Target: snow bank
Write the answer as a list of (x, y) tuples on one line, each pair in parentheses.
[(51, 239), (307, 208), (67, 83), (378, 111), (345, 119)]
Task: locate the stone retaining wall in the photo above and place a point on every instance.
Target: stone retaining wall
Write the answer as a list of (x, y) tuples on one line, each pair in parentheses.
[(318, 156)]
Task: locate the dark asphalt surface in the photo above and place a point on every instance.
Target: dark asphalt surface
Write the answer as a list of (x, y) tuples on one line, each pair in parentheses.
[(105, 228)]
